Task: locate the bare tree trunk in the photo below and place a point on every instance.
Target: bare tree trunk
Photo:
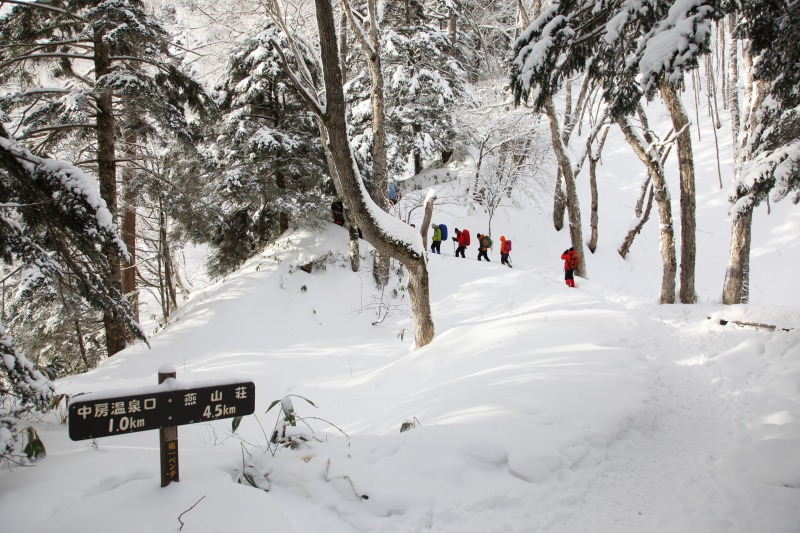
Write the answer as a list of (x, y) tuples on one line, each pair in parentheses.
[(352, 187), (712, 92), (733, 82), (371, 46), (571, 119), (559, 202), (477, 195), (283, 215), (662, 197), (169, 276), (593, 218), (573, 207), (452, 28), (721, 43), (559, 198), (129, 228), (522, 17), (687, 185), (355, 254), (75, 322), (116, 332), (426, 220), (735, 289), (747, 71), (343, 47), (416, 128), (380, 165), (716, 147), (593, 159), (643, 217)]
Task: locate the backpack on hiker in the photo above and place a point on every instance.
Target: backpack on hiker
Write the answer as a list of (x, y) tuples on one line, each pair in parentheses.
[(574, 261), (465, 233), (486, 242), (508, 245), (443, 229)]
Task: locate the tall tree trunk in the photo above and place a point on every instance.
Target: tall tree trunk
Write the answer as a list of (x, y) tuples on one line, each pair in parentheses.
[(721, 58), (416, 128), (129, 227), (559, 201), (687, 185), (523, 21), (643, 217), (452, 28), (427, 215), (283, 215), (75, 322), (573, 207), (571, 119), (343, 46), (594, 158), (352, 187), (116, 332), (169, 275), (733, 82), (355, 254), (735, 289), (380, 165), (643, 149), (477, 193), (371, 46)]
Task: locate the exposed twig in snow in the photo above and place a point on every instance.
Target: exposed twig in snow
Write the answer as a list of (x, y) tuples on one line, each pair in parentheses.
[(187, 510)]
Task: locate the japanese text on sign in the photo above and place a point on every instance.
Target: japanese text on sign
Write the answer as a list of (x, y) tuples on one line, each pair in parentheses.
[(140, 412)]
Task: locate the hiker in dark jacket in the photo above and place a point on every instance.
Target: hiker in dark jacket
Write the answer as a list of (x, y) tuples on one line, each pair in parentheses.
[(505, 249), (571, 262), (461, 240), (337, 212), (484, 243)]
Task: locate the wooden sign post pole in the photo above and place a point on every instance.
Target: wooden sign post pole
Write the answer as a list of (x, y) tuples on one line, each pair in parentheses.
[(168, 443)]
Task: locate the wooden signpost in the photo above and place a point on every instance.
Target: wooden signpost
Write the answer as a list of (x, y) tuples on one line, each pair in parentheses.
[(164, 407)]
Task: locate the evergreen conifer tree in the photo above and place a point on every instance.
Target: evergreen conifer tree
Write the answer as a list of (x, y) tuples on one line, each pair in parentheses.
[(264, 161), (88, 75)]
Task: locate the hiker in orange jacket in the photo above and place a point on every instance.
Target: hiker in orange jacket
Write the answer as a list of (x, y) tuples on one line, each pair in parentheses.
[(571, 262), (505, 249)]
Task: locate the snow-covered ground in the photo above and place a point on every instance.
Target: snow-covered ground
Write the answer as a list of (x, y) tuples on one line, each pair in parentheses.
[(536, 408)]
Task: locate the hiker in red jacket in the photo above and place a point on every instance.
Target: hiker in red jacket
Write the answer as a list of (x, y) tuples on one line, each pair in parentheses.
[(461, 239), (571, 262)]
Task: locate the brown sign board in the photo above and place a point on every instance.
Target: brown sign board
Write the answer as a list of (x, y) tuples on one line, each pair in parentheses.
[(142, 411)]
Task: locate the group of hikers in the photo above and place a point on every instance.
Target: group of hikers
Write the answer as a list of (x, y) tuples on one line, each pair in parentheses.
[(462, 240)]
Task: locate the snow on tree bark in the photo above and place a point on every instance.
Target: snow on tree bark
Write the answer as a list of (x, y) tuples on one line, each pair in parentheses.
[(384, 232), (680, 123)]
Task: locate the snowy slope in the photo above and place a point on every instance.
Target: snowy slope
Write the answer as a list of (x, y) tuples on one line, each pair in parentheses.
[(537, 407)]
